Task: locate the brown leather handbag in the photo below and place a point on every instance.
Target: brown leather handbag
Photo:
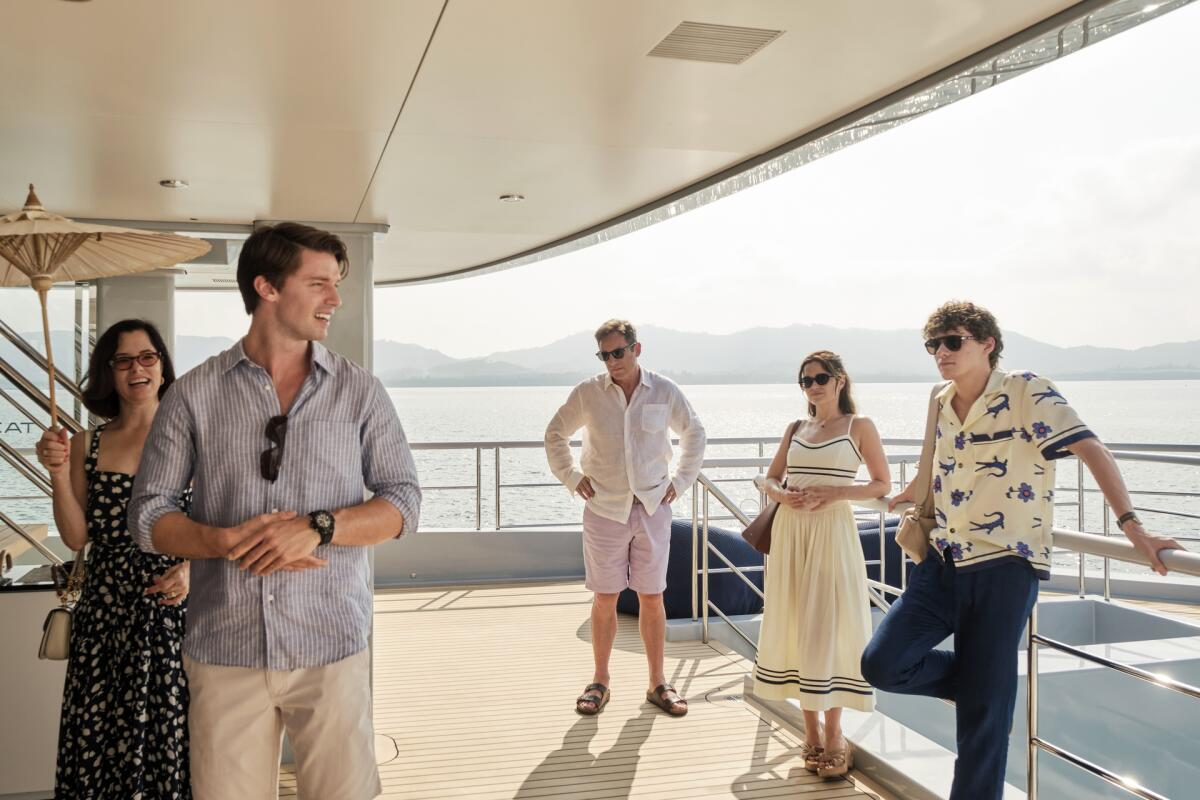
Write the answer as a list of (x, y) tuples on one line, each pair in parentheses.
[(758, 533)]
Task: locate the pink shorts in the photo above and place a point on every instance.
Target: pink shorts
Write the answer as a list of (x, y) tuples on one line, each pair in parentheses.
[(631, 554)]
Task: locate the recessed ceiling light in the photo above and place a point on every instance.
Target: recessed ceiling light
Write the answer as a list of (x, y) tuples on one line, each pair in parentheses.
[(512, 198), (173, 183)]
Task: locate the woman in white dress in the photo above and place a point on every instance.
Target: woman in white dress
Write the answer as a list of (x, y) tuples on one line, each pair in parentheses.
[(817, 617)]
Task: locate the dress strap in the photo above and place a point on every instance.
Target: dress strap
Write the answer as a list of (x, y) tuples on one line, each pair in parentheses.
[(93, 448)]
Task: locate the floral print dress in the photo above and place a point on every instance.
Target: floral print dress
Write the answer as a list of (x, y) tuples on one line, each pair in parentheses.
[(123, 732)]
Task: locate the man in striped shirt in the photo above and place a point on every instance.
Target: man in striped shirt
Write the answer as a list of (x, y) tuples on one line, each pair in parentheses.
[(277, 438)]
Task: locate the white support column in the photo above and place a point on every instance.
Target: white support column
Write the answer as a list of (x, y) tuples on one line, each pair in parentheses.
[(354, 323), (150, 297)]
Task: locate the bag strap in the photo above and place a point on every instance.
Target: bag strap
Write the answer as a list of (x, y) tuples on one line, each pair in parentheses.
[(790, 433), (924, 479), (90, 441)]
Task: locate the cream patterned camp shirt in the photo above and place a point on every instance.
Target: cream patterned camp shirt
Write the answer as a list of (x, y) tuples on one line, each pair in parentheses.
[(993, 473)]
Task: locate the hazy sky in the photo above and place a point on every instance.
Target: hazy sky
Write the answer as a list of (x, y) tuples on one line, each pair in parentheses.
[(1066, 200)]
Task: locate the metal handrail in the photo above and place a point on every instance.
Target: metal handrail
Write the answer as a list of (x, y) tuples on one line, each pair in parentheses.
[(10, 373), (1180, 561), (27, 350), (24, 468), (1126, 451), (24, 534)]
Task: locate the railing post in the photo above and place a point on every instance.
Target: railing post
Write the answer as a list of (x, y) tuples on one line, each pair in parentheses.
[(1079, 521), (478, 488), (695, 547), (882, 549), (497, 487), (1031, 706), (1107, 571), (80, 334), (903, 555), (704, 574)]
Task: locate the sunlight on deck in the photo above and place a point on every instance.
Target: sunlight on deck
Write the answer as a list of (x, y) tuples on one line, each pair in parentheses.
[(475, 688)]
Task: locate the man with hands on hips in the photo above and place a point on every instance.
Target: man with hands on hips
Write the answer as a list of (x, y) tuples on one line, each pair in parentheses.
[(278, 438), (627, 414)]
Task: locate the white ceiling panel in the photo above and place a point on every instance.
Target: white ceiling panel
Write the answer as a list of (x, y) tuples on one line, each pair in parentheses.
[(282, 109), (560, 102), (271, 109)]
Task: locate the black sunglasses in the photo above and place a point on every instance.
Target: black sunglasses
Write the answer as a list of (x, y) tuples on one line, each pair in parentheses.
[(272, 457), (953, 342), (147, 359), (618, 353), (820, 379)]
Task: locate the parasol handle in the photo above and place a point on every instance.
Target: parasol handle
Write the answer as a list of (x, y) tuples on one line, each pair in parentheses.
[(42, 284)]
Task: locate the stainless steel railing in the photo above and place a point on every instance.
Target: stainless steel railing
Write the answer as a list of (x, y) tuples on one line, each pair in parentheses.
[(27, 350), (24, 534), (1104, 546), (1178, 561)]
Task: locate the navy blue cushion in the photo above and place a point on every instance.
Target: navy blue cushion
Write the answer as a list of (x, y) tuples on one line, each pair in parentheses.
[(728, 591), (868, 536)]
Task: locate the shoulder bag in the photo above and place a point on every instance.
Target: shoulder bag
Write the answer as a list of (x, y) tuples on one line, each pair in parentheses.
[(912, 534), (758, 533)]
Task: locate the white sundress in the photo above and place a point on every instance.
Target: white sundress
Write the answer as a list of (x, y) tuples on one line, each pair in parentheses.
[(817, 618)]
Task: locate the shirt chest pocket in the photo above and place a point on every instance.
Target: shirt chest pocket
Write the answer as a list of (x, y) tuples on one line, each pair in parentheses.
[(331, 448), (654, 417), (991, 455)]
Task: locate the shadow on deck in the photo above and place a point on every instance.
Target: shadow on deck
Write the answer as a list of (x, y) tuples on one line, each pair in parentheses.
[(474, 691)]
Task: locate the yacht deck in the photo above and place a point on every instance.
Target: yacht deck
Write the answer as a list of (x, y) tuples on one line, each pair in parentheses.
[(473, 699)]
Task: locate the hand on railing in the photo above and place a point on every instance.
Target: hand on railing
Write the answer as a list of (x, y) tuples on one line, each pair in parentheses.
[(904, 498), (1150, 545)]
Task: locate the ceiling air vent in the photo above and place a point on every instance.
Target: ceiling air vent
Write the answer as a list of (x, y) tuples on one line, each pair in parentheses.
[(721, 44)]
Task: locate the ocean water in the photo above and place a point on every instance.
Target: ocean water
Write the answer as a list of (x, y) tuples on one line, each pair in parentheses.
[(1162, 412)]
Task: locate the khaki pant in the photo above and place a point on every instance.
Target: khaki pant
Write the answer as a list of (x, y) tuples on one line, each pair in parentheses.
[(238, 716)]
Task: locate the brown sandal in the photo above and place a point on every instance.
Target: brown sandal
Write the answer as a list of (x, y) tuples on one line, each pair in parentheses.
[(836, 763), (812, 754), (676, 708), (595, 693)]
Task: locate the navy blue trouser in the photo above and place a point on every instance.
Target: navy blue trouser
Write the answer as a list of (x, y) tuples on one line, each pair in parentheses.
[(986, 610)]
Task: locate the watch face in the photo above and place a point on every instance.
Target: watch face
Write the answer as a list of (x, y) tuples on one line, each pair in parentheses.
[(324, 519)]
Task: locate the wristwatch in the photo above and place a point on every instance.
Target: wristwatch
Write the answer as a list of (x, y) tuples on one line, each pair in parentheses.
[(322, 523), (1126, 517)]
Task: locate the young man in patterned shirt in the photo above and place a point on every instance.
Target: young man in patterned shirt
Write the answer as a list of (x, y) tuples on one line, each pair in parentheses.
[(998, 435)]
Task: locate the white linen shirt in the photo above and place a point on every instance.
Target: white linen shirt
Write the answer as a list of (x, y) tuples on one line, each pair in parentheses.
[(626, 446)]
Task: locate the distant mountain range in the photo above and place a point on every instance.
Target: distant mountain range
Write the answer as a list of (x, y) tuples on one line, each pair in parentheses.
[(758, 355)]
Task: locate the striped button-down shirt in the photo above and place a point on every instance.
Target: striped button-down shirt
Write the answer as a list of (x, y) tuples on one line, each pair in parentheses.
[(342, 435)]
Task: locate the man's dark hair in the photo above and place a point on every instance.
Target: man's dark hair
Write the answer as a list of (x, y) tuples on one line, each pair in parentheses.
[(978, 321), (274, 251), (621, 326), (100, 387)]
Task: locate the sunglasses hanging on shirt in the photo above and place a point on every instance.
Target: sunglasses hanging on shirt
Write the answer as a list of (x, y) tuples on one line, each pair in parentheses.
[(272, 457)]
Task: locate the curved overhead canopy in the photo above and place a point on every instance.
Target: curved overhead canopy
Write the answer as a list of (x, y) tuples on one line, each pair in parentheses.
[(421, 114)]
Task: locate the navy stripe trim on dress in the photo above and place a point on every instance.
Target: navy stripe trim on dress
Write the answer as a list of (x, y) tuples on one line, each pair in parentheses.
[(815, 446), (829, 471), (805, 690), (835, 679)]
